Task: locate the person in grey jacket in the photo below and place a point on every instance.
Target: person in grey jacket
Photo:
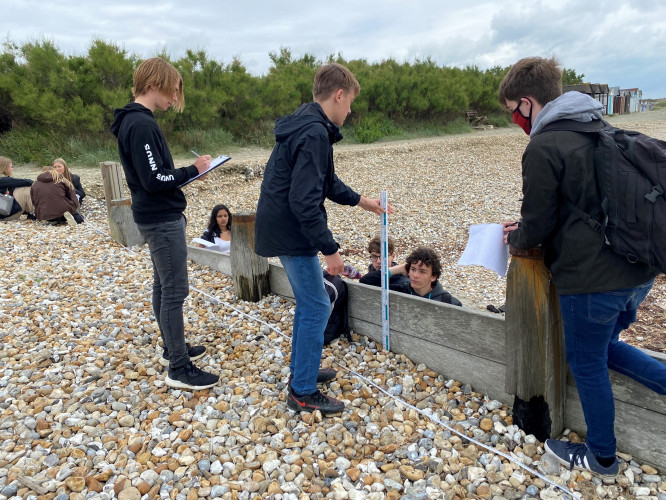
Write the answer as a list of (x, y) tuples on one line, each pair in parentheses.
[(599, 290)]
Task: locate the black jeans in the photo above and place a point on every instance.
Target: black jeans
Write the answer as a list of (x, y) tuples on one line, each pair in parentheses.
[(168, 252)]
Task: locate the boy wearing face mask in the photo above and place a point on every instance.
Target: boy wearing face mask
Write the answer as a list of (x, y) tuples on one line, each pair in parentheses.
[(599, 290)]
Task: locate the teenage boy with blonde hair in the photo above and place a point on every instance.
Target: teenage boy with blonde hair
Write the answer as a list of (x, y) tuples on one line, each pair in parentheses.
[(599, 290), (157, 206), (291, 222)]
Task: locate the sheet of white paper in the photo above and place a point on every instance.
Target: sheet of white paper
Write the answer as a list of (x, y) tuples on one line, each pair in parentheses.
[(207, 244), (486, 248)]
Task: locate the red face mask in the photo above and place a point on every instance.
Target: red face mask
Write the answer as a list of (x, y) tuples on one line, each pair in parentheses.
[(524, 122)]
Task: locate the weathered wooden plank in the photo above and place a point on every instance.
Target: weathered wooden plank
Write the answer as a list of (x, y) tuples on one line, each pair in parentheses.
[(122, 226), (536, 368), (279, 282), (485, 376), (248, 270), (210, 258), (639, 432), (477, 333)]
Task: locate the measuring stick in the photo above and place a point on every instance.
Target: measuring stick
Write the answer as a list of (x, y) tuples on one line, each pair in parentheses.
[(385, 270)]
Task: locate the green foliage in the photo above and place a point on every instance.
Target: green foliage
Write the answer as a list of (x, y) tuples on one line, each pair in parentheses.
[(570, 77), (52, 104), (373, 126)]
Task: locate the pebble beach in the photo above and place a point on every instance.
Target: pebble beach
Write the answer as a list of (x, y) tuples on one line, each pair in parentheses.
[(85, 413)]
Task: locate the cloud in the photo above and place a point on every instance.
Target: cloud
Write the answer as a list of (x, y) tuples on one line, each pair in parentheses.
[(615, 42)]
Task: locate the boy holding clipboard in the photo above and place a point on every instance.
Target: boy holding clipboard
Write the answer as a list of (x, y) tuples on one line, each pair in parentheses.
[(157, 206)]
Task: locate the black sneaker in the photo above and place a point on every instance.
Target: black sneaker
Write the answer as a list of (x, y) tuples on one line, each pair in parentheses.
[(311, 402), (190, 377), (323, 375), (195, 352), (579, 456)]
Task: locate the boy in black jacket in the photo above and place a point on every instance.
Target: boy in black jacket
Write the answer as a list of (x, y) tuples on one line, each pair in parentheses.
[(599, 290), (157, 207), (291, 222)]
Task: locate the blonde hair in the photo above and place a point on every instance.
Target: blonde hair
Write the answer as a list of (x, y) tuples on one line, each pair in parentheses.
[(161, 76), (4, 166), (57, 176), (331, 77), (66, 172)]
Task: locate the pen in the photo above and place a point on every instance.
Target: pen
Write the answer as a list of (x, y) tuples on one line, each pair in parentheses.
[(194, 153)]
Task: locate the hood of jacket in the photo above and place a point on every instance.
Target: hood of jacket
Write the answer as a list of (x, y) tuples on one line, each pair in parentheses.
[(120, 113), (45, 177), (569, 106), (305, 115)]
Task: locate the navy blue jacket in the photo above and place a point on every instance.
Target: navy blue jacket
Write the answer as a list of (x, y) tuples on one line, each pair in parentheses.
[(151, 175), (291, 217)]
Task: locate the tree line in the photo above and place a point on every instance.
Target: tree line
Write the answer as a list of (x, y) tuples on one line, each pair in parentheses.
[(44, 92)]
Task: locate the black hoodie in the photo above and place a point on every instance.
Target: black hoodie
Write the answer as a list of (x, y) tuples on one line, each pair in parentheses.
[(291, 218), (149, 170)]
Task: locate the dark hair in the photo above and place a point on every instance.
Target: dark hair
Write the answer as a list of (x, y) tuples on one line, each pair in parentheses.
[(375, 245), (532, 77), (427, 257), (212, 224), (331, 77)]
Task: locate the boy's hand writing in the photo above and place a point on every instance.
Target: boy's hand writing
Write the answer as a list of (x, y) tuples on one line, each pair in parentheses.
[(202, 163)]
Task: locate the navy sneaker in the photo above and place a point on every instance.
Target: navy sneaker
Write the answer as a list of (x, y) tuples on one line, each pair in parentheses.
[(323, 375), (316, 401), (579, 456), (190, 377), (195, 352)]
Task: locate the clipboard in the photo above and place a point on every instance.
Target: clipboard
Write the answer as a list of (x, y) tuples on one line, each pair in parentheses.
[(214, 163)]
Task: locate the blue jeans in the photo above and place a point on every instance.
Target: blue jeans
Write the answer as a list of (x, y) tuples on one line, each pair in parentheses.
[(592, 325), (168, 252), (313, 307)]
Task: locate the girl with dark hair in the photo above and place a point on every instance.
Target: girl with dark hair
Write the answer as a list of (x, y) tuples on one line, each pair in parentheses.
[(219, 228)]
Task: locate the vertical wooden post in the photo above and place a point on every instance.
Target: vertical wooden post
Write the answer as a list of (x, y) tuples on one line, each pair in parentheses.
[(248, 270), (119, 207), (536, 367)]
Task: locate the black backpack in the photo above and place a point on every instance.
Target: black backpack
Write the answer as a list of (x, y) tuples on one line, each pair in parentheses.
[(338, 324), (630, 169)]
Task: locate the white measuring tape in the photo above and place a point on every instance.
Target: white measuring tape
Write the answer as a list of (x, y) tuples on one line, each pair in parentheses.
[(385, 271)]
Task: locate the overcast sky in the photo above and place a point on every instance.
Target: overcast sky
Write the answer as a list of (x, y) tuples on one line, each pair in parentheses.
[(617, 42)]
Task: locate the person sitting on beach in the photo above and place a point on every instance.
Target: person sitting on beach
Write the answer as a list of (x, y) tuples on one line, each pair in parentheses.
[(54, 198), (423, 268), (18, 188), (218, 231), (374, 249), (61, 167)]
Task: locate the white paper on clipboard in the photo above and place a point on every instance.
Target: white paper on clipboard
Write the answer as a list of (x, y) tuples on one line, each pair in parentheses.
[(214, 163)]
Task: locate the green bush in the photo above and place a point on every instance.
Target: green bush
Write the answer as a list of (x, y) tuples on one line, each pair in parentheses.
[(373, 127), (499, 119)]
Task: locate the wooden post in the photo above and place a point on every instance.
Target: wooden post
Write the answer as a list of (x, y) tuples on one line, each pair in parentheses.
[(536, 367), (248, 270), (119, 207)]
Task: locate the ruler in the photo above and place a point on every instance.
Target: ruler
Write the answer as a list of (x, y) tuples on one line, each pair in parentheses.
[(385, 270)]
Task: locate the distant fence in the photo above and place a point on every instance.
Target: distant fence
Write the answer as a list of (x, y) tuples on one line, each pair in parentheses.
[(470, 346)]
